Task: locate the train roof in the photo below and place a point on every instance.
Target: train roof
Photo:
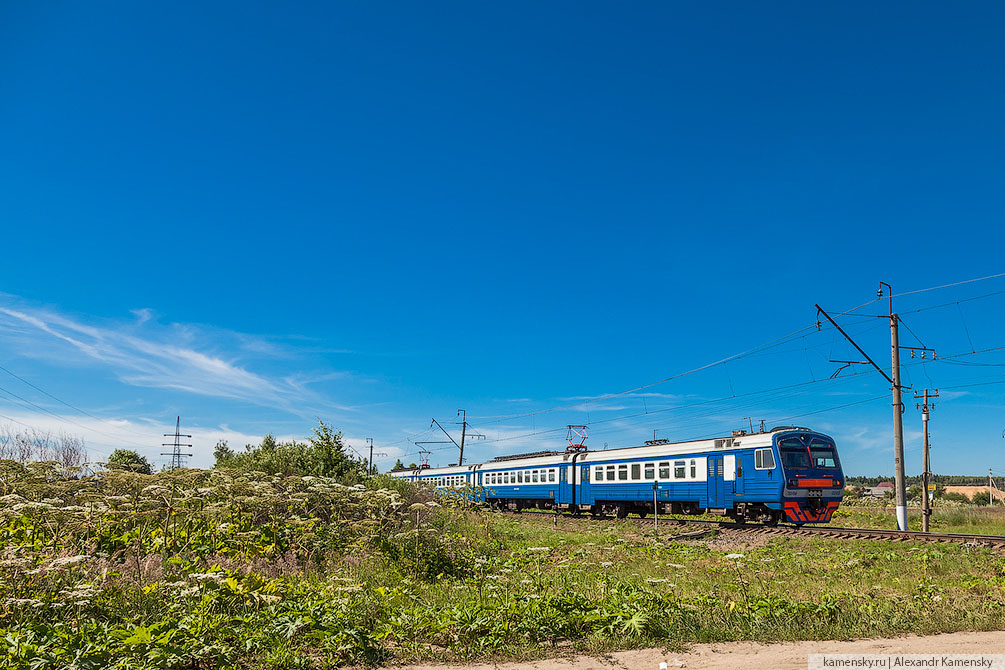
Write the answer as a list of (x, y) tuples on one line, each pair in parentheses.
[(665, 450)]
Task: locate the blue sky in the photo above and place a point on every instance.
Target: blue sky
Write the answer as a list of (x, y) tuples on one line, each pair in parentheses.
[(378, 213)]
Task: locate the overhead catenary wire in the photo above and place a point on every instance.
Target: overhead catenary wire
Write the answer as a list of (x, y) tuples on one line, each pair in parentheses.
[(63, 402), (24, 401), (771, 343), (763, 392), (958, 283)]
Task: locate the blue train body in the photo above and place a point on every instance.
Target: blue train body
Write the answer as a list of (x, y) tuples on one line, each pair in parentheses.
[(789, 473)]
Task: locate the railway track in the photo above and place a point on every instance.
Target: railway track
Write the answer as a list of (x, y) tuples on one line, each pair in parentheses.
[(995, 542)]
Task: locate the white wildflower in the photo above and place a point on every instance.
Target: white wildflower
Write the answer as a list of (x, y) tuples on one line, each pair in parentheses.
[(733, 556), (538, 548), (66, 562), (22, 602)]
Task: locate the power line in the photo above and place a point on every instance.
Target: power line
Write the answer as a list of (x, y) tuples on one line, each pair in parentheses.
[(775, 342), (678, 407), (608, 396), (63, 402), (63, 418), (959, 283)]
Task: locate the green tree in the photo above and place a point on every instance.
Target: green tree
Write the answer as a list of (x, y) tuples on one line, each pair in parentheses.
[(324, 454), (222, 453), (130, 460), (981, 498), (398, 465)]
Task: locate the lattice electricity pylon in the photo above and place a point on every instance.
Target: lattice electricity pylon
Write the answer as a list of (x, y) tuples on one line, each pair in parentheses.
[(576, 433), (176, 453)]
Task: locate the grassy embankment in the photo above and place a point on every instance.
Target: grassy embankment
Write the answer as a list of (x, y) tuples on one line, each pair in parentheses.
[(218, 569), (947, 517)]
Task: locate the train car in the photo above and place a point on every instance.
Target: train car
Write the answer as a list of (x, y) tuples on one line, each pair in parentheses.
[(533, 481), (788, 473)]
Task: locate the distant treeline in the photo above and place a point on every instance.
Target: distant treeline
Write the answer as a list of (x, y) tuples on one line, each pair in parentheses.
[(945, 480)]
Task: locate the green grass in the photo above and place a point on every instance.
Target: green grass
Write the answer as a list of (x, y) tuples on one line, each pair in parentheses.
[(381, 577), (945, 519)]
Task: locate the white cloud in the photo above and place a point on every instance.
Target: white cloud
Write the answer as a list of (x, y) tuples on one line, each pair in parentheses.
[(180, 357)]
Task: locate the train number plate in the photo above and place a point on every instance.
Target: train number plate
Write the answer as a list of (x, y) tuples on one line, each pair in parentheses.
[(815, 493)]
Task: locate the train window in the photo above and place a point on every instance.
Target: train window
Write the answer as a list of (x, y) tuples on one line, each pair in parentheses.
[(679, 470), (599, 474), (610, 473), (519, 476), (505, 478), (665, 470), (764, 459), (795, 459), (822, 454), (636, 471), (551, 475), (694, 469), (622, 472), (533, 475), (586, 473), (650, 471)]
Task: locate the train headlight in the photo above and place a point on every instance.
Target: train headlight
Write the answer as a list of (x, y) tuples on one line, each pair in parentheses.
[(793, 483)]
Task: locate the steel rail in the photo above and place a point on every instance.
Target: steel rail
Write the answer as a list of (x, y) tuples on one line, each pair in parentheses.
[(996, 541)]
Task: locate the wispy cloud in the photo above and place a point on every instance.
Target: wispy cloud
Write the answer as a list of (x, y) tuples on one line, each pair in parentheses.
[(182, 357)]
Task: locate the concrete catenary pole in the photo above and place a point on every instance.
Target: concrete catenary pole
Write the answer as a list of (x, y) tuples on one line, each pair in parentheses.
[(926, 473), (898, 418), (464, 429)]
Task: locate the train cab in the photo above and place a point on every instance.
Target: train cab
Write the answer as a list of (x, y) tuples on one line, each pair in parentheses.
[(812, 476)]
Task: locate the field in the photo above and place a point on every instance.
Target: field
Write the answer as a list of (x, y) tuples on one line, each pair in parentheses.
[(947, 517), (208, 569), (969, 491)]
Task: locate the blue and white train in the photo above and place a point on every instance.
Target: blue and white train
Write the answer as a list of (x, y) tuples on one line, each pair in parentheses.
[(788, 473)]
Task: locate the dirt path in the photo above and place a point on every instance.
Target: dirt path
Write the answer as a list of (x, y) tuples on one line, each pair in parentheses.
[(730, 655)]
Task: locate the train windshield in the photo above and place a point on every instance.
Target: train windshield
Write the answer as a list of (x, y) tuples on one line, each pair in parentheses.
[(823, 454), (795, 459), (794, 454)]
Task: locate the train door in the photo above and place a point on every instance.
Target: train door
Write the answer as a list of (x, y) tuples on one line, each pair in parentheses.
[(716, 497), (565, 495), (581, 474), (738, 485), (733, 474)]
